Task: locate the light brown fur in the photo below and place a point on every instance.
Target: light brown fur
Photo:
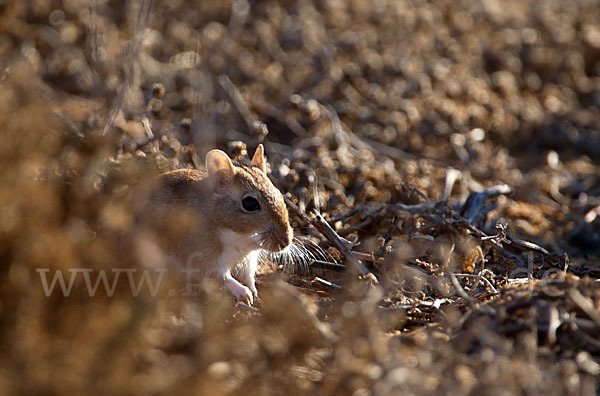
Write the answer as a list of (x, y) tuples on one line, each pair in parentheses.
[(209, 205)]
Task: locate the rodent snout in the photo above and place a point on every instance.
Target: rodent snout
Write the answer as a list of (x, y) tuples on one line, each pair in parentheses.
[(282, 239), (287, 240)]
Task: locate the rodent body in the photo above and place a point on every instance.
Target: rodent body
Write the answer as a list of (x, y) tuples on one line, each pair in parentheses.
[(235, 213)]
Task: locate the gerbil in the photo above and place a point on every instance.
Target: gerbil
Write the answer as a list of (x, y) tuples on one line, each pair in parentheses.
[(236, 211)]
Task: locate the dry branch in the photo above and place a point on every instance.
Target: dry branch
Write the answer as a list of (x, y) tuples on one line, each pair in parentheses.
[(328, 232), (252, 122), (323, 283), (327, 265), (323, 226), (474, 205), (586, 305)]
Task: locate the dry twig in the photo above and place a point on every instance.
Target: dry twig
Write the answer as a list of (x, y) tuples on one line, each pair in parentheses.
[(586, 305), (324, 228), (240, 104)]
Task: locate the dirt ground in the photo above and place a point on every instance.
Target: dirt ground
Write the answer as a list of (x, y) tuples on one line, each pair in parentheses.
[(452, 146)]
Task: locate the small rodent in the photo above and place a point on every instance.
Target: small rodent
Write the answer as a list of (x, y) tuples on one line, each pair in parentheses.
[(237, 212)]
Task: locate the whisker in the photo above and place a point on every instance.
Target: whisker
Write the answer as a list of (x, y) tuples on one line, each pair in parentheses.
[(316, 249), (298, 256)]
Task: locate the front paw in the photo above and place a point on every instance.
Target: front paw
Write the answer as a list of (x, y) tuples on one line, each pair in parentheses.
[(242, 294)]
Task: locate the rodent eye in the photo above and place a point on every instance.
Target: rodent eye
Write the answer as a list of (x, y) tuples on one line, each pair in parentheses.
[(250, 204)]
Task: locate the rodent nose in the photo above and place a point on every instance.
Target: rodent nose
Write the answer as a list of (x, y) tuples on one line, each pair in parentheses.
[(289, 236), (285, 239)]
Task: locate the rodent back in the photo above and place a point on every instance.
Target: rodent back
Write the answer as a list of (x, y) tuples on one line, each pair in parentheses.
[(181, 186), (170, 211)]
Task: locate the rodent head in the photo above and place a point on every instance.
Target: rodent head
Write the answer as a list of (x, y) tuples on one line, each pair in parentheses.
[(246, 202)]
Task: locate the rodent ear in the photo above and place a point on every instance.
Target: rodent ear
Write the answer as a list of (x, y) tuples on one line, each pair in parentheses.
[(219, 167), (258, 160)]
